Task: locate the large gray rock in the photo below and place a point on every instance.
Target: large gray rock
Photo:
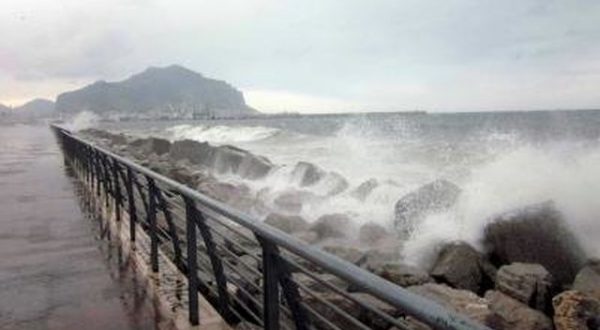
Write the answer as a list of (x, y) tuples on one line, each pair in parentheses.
[(576, 310), (530, 284), (196, 152), (287, 223), (293, 200), (512, 314), (460, 301), (535, 234), (151, 145), (334, 225), (254, 167), (588, 279), (431, 198), (364, 189), (462, 267), (307, 174), (227, 159), (331, 184), (371, 233), (402, 275), (347, 253)]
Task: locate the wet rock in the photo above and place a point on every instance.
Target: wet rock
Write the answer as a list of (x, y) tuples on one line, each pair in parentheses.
[(347, 253), (152, 145), (307, 174), (512, 314), (431, 198), (460, 266), (254, 167), (287, 223), (575, 310), (371, 319), (183, 175), (588, 279), (403, 275), (331, 184), (460, 301), (110, 138), (317, 285), (309, 237), (195, 152), (371, 233), (530, 284), (334, 225), (364, 189), (227, 159), (293, 200), (374, 259), (536, 234)]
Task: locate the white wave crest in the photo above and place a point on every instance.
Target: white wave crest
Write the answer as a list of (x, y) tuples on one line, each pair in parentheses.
[(221, 134)]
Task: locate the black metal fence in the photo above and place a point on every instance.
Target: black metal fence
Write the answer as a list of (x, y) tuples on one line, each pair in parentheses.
[(248, 270)]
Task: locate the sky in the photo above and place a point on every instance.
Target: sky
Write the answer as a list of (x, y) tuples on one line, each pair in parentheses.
[(317, 55)]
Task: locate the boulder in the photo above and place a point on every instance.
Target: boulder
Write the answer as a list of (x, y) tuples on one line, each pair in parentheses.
[(431, 198), (227, 159), (331, 184), (512, 314), (152, 145), (254, 167), (196, 152), (347, 253), (306, 174), (535, 234), (588, 279), (334, 225), (110, 138), (530, 284), (374, 259), (317, 285), (293, 200), (364, 189), (307, 236), (460, 301), (287, 223), (576, 310), (371, 233), (183, 175), (403, 275), (371, 319), (461, 266)]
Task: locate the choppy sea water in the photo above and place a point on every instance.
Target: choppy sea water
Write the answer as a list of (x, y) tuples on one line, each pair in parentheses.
[(502, 161)]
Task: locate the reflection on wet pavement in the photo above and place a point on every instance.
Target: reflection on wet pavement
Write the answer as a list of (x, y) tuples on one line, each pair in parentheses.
[(55, 272)]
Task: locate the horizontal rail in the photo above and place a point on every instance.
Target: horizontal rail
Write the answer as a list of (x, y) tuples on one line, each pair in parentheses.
[(270, 238)]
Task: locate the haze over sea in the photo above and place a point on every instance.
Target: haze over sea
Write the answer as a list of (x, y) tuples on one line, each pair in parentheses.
[(501, 160)]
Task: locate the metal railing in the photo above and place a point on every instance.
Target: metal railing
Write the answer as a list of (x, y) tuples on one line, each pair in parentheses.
[(248, 270)]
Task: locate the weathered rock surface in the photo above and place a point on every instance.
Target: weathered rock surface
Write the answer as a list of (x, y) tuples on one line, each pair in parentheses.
[(460, 301), (403, 275), (588, 279), (293, 200), (364, 189), (152, 145), (307, 174), (461, 266), (371, 233), (535, 234), (530, 284), (512, 314), (347, 253), (287, 223), (576, 310), (334, 225), (431, 198), (195, 152)]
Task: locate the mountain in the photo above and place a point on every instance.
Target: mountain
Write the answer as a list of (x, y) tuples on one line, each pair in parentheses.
[(36, 108), (4, 109), (172, 91)]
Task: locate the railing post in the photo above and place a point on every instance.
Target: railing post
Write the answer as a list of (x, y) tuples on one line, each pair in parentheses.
[(270, 285), (152, 223), (131, 200), (117, 189), (192, 262)]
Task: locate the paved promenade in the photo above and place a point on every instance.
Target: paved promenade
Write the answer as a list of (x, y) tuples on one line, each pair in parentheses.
[(54, 271)]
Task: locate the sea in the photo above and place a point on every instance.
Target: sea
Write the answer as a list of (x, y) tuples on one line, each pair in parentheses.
[(502, 161)]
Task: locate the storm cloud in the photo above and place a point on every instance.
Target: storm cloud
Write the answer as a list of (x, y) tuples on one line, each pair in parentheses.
[(316, 56)]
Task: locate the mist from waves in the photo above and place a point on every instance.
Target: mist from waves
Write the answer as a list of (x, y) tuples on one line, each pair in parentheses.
[(499, 169)]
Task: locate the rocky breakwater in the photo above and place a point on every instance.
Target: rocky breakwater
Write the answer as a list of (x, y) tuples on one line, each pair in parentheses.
[(528, 272)]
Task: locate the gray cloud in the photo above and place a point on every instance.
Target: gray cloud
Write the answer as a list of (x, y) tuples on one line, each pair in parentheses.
[(455, 54)]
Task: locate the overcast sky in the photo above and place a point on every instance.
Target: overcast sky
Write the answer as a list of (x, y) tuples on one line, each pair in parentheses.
[(316, 56)]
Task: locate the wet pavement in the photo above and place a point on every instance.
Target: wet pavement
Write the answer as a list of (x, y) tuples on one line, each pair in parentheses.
[(55, 271)]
